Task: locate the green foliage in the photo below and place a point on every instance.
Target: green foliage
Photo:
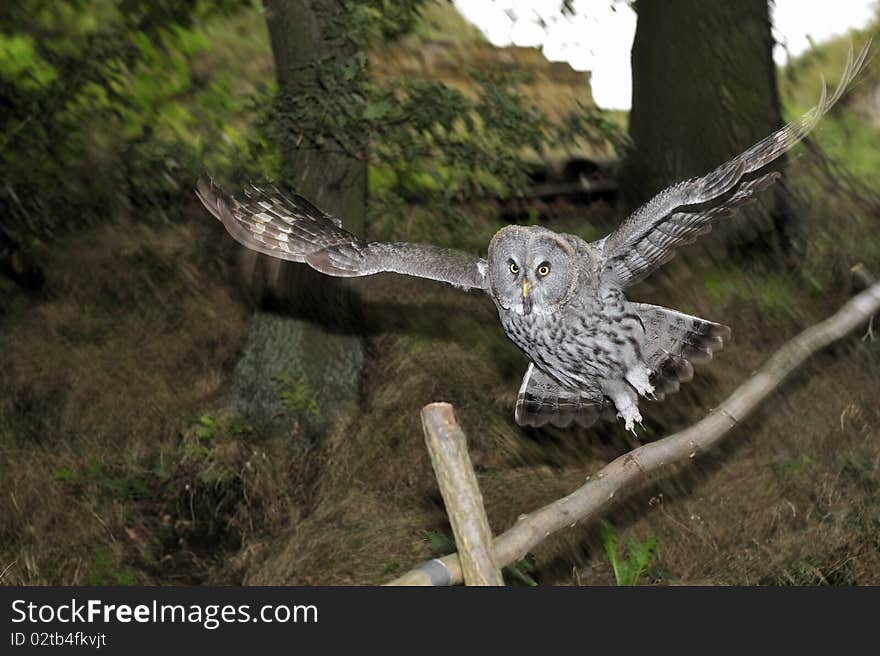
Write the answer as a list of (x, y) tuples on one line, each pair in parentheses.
[(522, 571), (104, 571), (428, 143), (425, 142), (863, 472), (209, 427), (107, 481), (91, 118), (22, 65), (296, 395), (369, 21), (206, 451), (110, 107), (794, 467), (441, 543), (629, 569), (851, 141)]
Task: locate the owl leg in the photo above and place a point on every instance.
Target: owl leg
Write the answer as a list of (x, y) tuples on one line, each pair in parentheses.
[(639, 376), (627, 403)]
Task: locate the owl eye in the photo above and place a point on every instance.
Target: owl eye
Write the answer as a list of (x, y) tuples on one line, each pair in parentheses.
[(544, 269), (514, 268)]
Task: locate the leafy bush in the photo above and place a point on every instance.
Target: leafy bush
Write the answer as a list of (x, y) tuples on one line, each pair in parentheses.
[(91, 118), (109, 107), (426, 142)]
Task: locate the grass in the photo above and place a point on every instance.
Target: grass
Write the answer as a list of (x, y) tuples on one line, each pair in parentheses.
[(129, 337)]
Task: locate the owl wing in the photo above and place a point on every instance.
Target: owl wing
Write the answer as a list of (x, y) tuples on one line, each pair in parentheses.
[(679, 214), (291, 228), (541, 401)]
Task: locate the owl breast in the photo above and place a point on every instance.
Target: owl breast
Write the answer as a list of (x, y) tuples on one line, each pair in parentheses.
[(582, 345)]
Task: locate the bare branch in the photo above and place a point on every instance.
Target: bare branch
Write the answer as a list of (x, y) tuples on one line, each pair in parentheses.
[(447, 446), (633, 468)]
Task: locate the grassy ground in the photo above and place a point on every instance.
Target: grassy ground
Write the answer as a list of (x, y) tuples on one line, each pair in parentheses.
[(120, 465), (104, 372)]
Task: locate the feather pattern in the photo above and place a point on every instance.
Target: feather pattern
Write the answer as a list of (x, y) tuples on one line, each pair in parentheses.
[(541, 401), (291, 228)]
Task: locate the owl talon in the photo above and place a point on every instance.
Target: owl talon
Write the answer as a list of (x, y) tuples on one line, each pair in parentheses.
[(631, 416)]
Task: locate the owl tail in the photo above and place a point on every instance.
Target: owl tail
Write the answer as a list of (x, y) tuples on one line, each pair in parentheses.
[(673, 340), (541, 401)]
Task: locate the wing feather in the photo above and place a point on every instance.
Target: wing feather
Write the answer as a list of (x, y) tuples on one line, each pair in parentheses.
[(291, 228), (679, 214)]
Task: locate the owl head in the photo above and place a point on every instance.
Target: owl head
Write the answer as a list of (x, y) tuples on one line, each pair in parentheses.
[(531, 269)]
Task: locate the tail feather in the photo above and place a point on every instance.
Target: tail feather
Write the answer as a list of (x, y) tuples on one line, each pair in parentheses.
[(541, 401)]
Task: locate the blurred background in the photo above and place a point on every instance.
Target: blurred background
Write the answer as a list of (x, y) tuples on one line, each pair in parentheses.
[(177, 410)]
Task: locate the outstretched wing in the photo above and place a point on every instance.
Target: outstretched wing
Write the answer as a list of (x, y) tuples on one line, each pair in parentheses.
[(291, 228), (679, 214)]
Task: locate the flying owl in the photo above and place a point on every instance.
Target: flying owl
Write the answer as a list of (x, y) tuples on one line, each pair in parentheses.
[(560, 299)]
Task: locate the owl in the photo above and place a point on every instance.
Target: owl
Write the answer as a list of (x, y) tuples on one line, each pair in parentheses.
[(560, 299)]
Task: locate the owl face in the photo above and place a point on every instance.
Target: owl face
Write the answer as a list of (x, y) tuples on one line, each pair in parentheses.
[(531, 269)]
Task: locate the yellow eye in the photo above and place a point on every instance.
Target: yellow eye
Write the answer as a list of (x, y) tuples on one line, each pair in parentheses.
[(544, 269), (514, 268)]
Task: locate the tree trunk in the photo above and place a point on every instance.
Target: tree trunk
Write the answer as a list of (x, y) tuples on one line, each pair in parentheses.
[(307, 342), (704, 90), (302, 32)]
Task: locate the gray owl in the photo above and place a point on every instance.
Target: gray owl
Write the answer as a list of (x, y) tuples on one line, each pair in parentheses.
[(560, 299)]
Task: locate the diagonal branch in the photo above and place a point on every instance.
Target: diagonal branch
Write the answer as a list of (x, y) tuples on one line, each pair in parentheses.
[(633, 468)]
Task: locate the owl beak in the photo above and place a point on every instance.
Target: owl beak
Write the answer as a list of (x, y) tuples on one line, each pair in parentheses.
[(527, 302)]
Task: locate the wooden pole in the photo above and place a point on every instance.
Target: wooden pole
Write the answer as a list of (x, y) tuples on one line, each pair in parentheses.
[(633, 468), (447, 446)]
